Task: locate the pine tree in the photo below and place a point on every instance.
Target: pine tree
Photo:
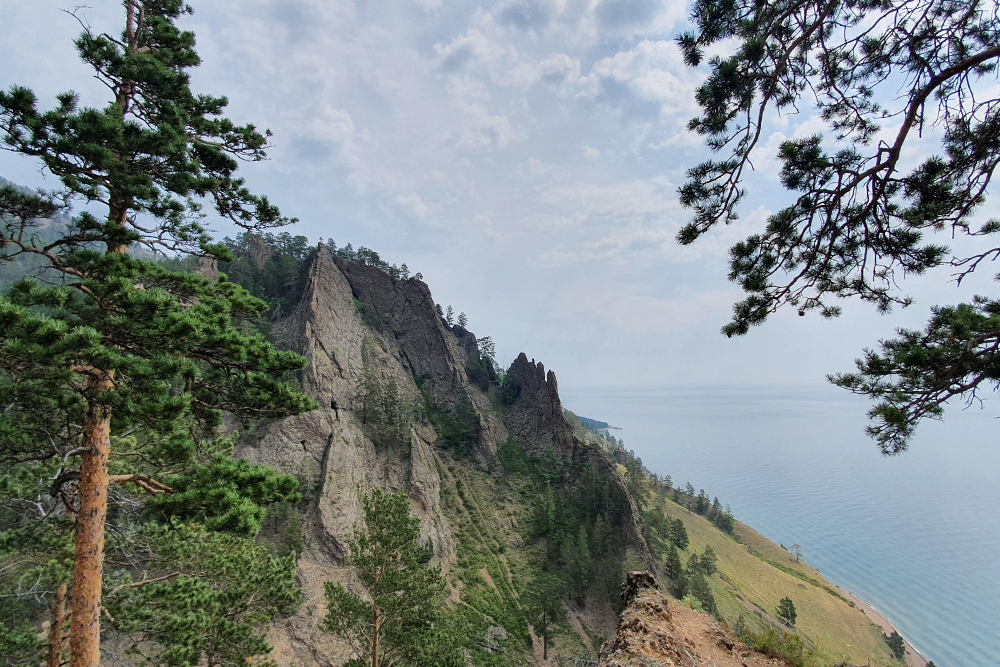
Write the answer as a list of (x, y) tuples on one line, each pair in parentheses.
[(545, 513), (678, 534), (449, 316), (698, 587), (579, 562), (463, 320), (544, 602), (122, 345), (708, 561), (858, 210), (786, 611), (701, 503), (672, 564), (896, 645), (636, 481), (399, 621)]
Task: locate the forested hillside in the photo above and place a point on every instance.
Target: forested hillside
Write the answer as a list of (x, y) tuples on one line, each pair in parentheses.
[(532, 517)]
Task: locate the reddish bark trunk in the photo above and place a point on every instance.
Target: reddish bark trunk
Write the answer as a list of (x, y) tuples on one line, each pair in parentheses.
[(85, 618)]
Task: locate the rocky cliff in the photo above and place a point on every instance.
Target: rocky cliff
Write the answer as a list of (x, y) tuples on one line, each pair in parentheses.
[(655, 633), (362, 330)]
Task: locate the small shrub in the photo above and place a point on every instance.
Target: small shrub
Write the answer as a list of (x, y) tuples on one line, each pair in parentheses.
[(691, 602)]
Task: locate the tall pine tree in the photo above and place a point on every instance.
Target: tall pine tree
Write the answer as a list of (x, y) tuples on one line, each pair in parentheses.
[(121, 345), (399, 620)]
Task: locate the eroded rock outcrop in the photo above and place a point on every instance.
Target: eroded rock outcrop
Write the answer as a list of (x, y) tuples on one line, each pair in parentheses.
[(429, 349), (536, 419), (359, 328), (655, 633), (331, 453)]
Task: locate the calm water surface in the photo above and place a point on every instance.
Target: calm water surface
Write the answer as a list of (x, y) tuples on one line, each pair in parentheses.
[(917, 536)]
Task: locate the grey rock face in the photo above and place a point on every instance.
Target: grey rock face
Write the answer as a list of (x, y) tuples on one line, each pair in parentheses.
[(259, 252), (536, 418), (359, 328), (495, 634), (333, 455), (208, 268), (430, 349)]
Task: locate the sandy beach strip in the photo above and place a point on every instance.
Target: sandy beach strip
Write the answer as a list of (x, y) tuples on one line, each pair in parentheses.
[(913, 656)]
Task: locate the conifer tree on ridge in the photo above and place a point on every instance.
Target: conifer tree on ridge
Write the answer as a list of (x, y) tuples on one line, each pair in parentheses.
[(128, 345)]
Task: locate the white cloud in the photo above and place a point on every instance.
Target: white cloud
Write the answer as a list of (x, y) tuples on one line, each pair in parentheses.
[(412, 205), (517, 152)]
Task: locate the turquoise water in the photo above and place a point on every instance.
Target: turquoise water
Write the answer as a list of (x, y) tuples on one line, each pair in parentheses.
[(916, 536)]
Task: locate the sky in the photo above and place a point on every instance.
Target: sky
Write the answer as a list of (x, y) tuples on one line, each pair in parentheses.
[(523, 155)]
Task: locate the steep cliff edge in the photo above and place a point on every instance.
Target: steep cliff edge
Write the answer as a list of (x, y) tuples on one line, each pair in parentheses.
[(655, 633), (365, 335)]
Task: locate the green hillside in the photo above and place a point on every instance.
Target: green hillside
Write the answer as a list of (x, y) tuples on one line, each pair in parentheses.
[(755, 573)]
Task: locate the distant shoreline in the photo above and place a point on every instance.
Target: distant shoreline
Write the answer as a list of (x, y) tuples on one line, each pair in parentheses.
[(914, 658)]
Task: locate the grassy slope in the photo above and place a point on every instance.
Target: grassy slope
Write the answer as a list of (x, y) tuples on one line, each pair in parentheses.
[(764, 573), (490, 518)]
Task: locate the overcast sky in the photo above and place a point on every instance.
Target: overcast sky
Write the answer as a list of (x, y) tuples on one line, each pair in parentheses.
[(523, 155)]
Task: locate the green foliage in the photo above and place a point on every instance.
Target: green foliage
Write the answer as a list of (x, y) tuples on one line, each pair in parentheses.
[(20, 646), (161, 354), (708, 561), (512, 457), (368, 257), (698, 587), (400, 620), (457, 430), (224, 495), (635, 479), (673, 567), (896, 645), (508, 390), (385, 413), (786, 610), (776, 644), (208, 596), (480, 366), (678, 534), (280, 280), (914, 374), (858, 214), (723, 519), (692, 602), (544, 603), (285, 524)]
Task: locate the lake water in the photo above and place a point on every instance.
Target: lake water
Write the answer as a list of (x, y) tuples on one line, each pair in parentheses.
[(917, 536)]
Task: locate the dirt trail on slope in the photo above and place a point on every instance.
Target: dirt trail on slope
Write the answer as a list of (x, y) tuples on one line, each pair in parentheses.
[(653, 634)]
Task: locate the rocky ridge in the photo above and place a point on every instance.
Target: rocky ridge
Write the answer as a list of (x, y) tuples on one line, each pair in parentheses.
[(355, 324), (655, 633)]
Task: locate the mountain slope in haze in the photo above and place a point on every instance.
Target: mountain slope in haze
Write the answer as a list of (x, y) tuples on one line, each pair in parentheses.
[(504, 485), (405, 403), (479, 452)]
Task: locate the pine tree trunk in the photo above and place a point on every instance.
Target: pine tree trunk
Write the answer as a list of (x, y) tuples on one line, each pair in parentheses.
[(56, 623), (118, 214), (545, 637), (85, 618)]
